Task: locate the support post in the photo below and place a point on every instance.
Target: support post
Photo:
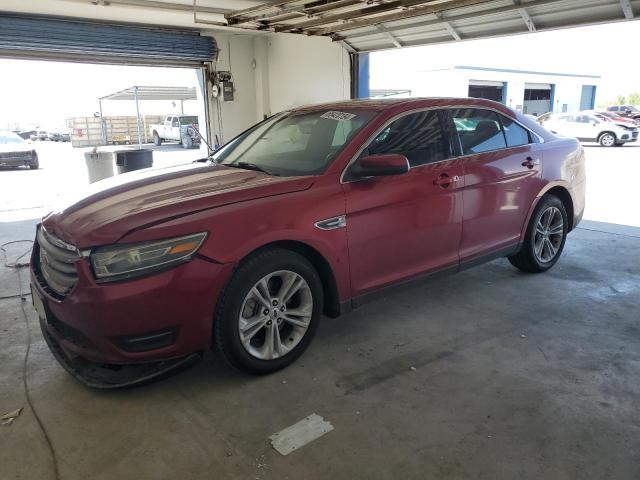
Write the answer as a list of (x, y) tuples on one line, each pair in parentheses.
[(135, 93), (103, 136)]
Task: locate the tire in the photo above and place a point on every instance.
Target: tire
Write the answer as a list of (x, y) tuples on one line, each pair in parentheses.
[(34, 166), (529, 259), (186, 141), (607, 139), (157, 141), (239, 306)]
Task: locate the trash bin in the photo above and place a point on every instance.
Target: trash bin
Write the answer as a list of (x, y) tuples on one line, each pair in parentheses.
[(130, 160), (99, 165)]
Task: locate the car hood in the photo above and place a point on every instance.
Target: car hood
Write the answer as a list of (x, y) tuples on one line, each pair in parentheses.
[(114, 207), (15, 147)]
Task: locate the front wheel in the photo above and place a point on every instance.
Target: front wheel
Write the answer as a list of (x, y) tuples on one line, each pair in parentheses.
[(607, 139), (187, 141), (545, 237), (156, 139), (268, 312)]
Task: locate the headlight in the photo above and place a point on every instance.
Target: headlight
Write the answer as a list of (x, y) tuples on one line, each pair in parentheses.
[(119, 262)]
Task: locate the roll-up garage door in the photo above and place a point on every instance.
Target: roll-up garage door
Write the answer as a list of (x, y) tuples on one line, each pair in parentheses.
[(80, 41)]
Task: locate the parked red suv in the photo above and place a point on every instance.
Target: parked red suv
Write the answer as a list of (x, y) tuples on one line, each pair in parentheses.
[(307, 213)]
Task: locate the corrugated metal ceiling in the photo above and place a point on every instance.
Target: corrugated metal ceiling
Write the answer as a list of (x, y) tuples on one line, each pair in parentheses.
[(369, 25)]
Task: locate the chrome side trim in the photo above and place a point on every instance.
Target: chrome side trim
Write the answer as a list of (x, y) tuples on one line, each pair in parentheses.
[(332, 223), (426, 109)]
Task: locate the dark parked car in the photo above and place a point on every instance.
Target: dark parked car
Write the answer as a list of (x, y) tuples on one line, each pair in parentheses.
[(625, 111), (15, 152), (41, 135), (310, 212)]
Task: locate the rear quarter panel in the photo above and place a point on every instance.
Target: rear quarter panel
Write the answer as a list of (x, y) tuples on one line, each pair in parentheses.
[(564, 166)]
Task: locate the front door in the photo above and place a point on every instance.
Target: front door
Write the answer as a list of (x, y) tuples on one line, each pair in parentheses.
[(401, 226), (586, 127), (502, 167)]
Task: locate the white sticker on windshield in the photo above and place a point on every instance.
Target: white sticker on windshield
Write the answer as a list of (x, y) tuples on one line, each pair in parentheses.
[(337, 116)]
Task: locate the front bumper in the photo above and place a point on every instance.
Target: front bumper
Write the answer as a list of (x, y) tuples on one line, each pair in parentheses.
[(18, 159), (103, 323)]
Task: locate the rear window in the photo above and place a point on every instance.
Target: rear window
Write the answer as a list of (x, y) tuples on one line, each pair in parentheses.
[(479, 130), (514, 133)]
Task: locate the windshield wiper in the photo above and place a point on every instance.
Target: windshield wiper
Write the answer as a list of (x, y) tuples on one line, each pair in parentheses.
[(250, 166)]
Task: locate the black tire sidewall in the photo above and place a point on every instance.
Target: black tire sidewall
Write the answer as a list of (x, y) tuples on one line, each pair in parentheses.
[(186, 141), (227, 337), (546, 202), (157, 140)]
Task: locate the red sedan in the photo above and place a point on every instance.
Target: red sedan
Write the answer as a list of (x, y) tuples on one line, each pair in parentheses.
[(310, 212)]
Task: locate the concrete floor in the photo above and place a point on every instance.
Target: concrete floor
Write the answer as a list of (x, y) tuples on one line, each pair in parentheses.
[(516, 376)]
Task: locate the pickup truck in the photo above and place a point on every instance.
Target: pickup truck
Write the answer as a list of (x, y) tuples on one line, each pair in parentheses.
[(179, 128)]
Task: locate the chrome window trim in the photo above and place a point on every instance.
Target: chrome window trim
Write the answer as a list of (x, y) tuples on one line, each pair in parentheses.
[(426, 109)]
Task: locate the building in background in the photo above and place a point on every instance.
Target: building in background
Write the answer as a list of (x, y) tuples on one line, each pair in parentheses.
[(530, 92)]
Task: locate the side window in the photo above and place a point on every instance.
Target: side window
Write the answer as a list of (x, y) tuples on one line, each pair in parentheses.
[(614, 109), (514, 133), (176, 122), (479, 130), (418, 136)]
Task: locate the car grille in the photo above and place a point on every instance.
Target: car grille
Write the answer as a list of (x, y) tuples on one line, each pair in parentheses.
[(634, 134), (55, 264)]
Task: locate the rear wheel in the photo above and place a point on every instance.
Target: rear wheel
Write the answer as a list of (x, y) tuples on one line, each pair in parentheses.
[(269, 311), (607, 139), (545, 237), (156, 139)]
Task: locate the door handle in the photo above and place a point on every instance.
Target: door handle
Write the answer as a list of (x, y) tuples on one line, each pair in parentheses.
[(445, 180), (530, 162)]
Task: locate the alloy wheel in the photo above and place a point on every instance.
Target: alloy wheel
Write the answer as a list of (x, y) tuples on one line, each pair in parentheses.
[(549, 234), (607, 140), (275, 315)]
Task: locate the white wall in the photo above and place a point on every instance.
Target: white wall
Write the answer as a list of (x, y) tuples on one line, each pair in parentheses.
[(304, 70), (272, 73), (236, 55)]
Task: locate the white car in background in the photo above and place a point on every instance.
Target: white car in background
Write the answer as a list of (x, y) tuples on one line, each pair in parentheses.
[(589, 127)]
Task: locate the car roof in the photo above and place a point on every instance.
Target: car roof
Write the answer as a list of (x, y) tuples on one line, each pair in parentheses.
[(382, 104)]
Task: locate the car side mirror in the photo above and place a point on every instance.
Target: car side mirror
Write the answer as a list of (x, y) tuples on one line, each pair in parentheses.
[(381, 165)]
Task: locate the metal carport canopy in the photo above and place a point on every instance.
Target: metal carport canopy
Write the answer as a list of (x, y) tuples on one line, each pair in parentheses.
[(49, 38), (384, 24), (153, 93)]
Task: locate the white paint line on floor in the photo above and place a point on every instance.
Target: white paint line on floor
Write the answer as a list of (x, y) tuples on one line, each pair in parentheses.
[(299, 434)]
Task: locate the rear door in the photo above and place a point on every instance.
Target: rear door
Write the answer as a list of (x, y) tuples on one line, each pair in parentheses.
[(167, 127), (502, 176), (403, 225)]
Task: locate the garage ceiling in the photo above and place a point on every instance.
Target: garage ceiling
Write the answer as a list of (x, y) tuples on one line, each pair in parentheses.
[(371, 25), (360, 25)]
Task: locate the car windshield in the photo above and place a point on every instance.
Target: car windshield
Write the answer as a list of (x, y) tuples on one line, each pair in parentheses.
[(294, 143), (10, 137), (189, 120)]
